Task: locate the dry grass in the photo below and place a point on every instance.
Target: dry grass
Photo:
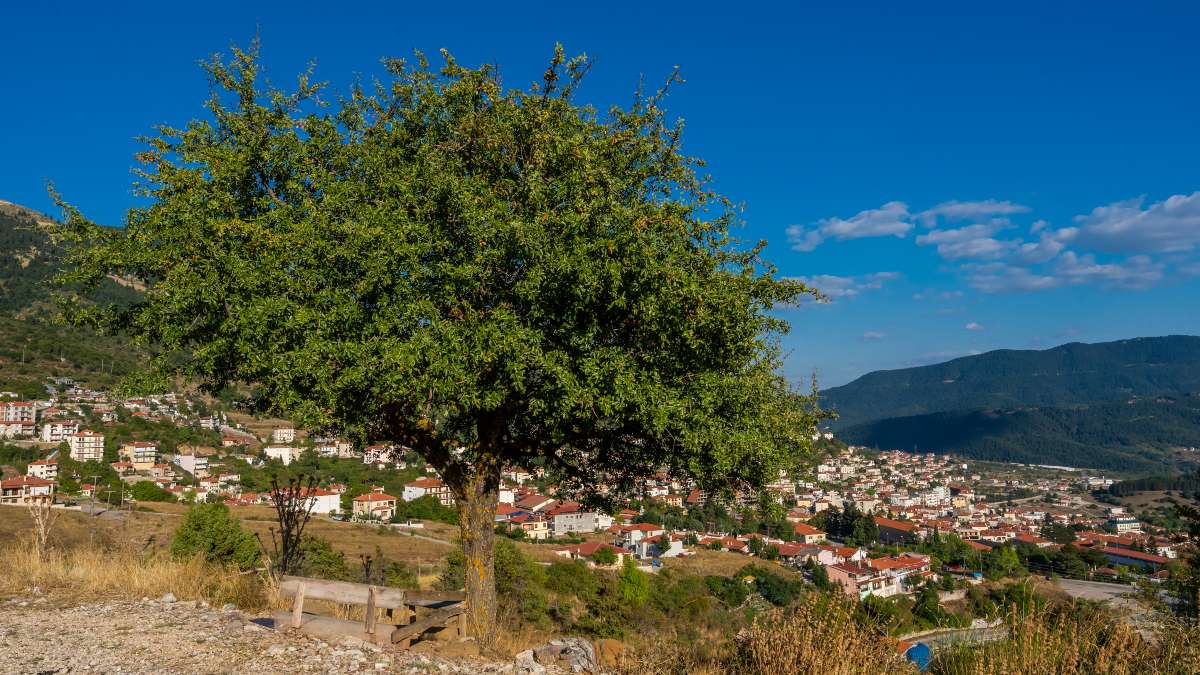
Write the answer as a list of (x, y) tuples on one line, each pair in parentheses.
[(819, 636), (1080, 640), (92, 572)]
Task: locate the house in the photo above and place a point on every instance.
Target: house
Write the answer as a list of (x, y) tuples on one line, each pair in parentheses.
[(897, 531), (534, 503), (630, 535), (580, 521), (428, 487), (906, 568), (535, 526), (283, 435), (807, 534), (193, 463), (281, 453), (26, 490), (322, 501), (46, 469), (86, 446), (374, 506), (59, 432), (17, 411), (1129, 558), (662, 546), (587, 550), (859, 581), (378, 454), (140, 454), (18, 429)]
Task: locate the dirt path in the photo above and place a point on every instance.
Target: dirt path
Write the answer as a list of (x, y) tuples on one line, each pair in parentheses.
[(152, 636)]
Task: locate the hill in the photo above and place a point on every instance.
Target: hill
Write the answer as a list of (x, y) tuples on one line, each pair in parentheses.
[(33, 348), (1071, 374), (1138, 436), (1129, 405)]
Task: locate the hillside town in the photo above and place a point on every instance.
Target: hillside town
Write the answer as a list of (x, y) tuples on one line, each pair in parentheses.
[(864, 517)]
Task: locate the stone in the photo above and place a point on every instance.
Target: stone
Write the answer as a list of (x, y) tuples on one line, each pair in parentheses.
[(609, 652), (167, 598), (445, 634), (423, 647), (276, 650), (229, 607), (526, 664), (572, 653)]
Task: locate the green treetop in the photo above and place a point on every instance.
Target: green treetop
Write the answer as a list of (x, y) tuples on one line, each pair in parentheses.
[(485, 275)]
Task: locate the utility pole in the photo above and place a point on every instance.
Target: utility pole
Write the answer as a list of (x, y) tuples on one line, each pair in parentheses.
[(95, 488)]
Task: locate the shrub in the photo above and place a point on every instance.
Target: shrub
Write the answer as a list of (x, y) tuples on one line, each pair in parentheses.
[(148, 491), (1076, 638), (211, 531), (604, 556), (320, 560), (633, 584), (822, 635)]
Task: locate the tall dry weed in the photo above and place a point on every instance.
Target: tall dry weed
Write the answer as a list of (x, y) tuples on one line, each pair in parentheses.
[(1076, 640), (90, 572)]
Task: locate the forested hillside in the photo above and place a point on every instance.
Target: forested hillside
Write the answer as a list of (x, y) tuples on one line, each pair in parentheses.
[(32, 347), (1139, 435), (1072, 374)]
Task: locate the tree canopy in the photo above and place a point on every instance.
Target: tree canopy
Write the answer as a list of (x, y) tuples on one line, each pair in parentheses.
[(486, 275)]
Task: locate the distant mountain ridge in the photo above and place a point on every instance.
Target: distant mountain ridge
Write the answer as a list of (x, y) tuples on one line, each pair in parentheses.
[(1070, 374), (1123, 405)]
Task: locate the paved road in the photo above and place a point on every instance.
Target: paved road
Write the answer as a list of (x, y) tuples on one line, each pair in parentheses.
[(1093, 590)]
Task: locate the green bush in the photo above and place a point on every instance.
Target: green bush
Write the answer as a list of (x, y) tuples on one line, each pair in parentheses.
[(148, 491), (211, 531), (603, 556), (633, 584)]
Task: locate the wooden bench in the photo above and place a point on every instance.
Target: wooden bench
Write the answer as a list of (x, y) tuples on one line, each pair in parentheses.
[(403, 626)]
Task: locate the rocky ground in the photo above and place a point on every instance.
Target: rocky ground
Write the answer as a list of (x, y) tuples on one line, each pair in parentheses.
[(40, 634)]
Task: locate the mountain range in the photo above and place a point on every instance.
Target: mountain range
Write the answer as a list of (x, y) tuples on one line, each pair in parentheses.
[(1129, 405)]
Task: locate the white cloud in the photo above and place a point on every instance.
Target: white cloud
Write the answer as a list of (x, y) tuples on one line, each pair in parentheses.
[(1001, 277), (1137, 272), (835, 287), (973, 242), (1172, 225), (974, 326), (1191, 269), (891, 219), (873, 336), (955, 210)]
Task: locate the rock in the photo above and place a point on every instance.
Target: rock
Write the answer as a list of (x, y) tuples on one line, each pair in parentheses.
[(252, 628), (573, 653), (446, 634), (609, 652), (229, 607), (276, 650), (526, 664), (167, 598), (36, 590)]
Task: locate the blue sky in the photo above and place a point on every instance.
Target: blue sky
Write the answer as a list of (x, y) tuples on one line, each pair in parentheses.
[(956, 178)]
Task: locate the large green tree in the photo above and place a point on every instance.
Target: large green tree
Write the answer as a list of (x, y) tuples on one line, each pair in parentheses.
[(485, 275)]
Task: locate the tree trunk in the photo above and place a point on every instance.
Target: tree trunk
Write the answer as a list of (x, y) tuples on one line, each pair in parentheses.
[(476, 518)]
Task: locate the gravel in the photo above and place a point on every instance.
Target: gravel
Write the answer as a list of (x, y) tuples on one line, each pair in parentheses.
[(38, 635)]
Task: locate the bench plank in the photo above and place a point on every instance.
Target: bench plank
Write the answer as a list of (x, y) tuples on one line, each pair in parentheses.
[(348, 593), (435, 620)]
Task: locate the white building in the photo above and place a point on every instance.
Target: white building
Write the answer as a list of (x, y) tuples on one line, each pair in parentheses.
[(46, 469), (431, 487), (17, 411), (86, 446), (580, 521), (18, 429), (283, 435), (57, 432), (195, 464), (283, 453)]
